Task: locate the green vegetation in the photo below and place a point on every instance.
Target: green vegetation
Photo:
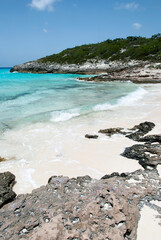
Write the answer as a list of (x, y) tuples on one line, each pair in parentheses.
[(137, 48)]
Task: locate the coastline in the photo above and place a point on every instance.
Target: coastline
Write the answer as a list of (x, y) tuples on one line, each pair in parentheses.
[(47, 148), (134, 71), (94, 157)]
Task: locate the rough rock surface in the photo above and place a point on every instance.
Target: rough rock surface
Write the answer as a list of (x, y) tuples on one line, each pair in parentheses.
[(7, 181), (147, 154), (81, 208), (151, 139)]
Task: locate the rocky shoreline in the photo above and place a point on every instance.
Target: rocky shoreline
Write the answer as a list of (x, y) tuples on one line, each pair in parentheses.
[(85, 208), (135, 71), (148, 73)]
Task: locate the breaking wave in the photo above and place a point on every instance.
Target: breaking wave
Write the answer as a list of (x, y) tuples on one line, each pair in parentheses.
[(64, 115), (128, 100)]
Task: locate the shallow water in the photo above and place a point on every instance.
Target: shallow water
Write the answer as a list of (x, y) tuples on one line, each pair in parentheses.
[(29, 98), (44, 117)]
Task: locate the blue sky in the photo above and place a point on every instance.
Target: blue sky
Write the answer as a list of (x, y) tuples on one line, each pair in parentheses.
[(30, 29)]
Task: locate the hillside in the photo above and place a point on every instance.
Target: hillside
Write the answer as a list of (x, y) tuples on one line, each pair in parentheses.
[(136, 48), (133, 58)]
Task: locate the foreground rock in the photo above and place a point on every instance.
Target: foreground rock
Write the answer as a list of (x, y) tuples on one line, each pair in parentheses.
[(7, 181), (81, 208)]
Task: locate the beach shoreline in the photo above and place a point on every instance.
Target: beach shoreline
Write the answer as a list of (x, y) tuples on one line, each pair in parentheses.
[(47, 148), (38, 156)]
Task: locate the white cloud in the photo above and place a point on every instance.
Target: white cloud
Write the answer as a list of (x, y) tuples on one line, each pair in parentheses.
[(43, 4), (137, 26), (127, 6), (45, 30)]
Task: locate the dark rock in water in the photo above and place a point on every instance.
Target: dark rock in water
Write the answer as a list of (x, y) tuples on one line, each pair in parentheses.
[(140, 130), (7, 181), (80, 208), (147, 154), (111, 131), (151, 139), (91, 136)]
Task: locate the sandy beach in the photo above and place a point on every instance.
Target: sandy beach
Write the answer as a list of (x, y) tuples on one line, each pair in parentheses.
[(38, 151)]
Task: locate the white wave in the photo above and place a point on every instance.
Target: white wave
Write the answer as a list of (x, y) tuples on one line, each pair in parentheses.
[(65, 115), (128, 100)]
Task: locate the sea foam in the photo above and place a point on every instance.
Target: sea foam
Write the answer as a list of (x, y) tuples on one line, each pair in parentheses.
[(128, 100), (64, 115)]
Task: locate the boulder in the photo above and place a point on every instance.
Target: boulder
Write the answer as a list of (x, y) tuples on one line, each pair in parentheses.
[(148, 155), (7, 181)]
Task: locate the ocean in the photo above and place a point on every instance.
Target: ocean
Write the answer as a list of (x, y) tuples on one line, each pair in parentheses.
[(44, 117)]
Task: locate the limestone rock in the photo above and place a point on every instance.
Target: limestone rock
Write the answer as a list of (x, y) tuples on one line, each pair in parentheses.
[(81, 208)]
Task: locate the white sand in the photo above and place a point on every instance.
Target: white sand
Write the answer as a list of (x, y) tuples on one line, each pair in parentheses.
[(149, 228), (41, 150)]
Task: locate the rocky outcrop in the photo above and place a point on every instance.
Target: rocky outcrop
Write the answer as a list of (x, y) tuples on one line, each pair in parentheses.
[(136, 133), (140, 130), (148, 155), (85, 208), (7, 181), (135, 71), (92, 67), (81, 208), (143, 73)]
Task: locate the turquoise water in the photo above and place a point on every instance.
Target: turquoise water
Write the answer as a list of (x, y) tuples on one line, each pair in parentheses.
[(30, 98)]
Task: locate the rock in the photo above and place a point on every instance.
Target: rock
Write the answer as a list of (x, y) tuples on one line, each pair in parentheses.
[(111, 131), (151, 139), (2, 159), (140, 130), (91, 136), (7, 181), (134, 133), (81, 208), (148, 155), (114, 174)]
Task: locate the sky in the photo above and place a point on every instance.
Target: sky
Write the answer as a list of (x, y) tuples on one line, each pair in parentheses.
[(31, 29)]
